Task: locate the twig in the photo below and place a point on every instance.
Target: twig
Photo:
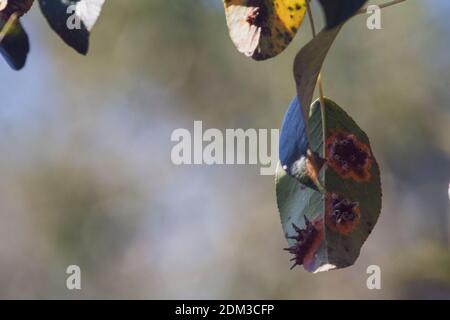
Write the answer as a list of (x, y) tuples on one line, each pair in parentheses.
[(381, 6), (311, 18), (8, 25)]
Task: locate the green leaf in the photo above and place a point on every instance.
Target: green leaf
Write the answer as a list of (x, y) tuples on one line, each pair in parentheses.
[(326, 230), (72, 20)]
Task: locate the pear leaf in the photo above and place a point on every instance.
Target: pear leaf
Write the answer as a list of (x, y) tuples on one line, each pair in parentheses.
[(72, 20), (308, 64), (262, 29), (326, 228)]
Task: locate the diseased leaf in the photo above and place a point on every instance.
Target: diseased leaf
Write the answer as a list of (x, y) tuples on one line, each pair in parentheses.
[(326, 229), (72, 20), (299, 205), (337, 12), (262, 29), (15, 45)]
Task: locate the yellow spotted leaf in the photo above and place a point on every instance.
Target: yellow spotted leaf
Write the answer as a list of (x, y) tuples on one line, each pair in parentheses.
[(262, 29)]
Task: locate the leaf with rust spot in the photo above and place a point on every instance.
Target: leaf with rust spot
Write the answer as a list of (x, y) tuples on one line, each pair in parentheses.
[(348, 205), (262, 29)]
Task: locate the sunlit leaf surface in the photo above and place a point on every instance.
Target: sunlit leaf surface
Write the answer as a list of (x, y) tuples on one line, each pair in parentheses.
[(262, 29)]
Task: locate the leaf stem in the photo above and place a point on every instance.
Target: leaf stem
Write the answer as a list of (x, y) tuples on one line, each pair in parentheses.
[(313, 30), (319, 80), (8, 25), (311, 18)]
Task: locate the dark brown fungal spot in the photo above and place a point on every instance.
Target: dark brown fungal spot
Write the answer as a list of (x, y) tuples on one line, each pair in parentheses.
[(343, 210), (342, 215), (257, 14), (348, 156)]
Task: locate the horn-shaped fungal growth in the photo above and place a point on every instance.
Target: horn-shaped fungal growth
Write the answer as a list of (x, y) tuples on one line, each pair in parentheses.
[(305, 240)]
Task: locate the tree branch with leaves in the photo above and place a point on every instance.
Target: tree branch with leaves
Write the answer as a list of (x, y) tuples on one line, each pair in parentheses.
[(72, 20), (328, 183)]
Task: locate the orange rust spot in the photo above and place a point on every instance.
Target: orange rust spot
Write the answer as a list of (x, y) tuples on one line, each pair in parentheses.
[(348, 156), (341, 214), (313, 165)]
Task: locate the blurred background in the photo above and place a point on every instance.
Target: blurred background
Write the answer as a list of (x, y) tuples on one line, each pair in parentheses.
[(86, 176)]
